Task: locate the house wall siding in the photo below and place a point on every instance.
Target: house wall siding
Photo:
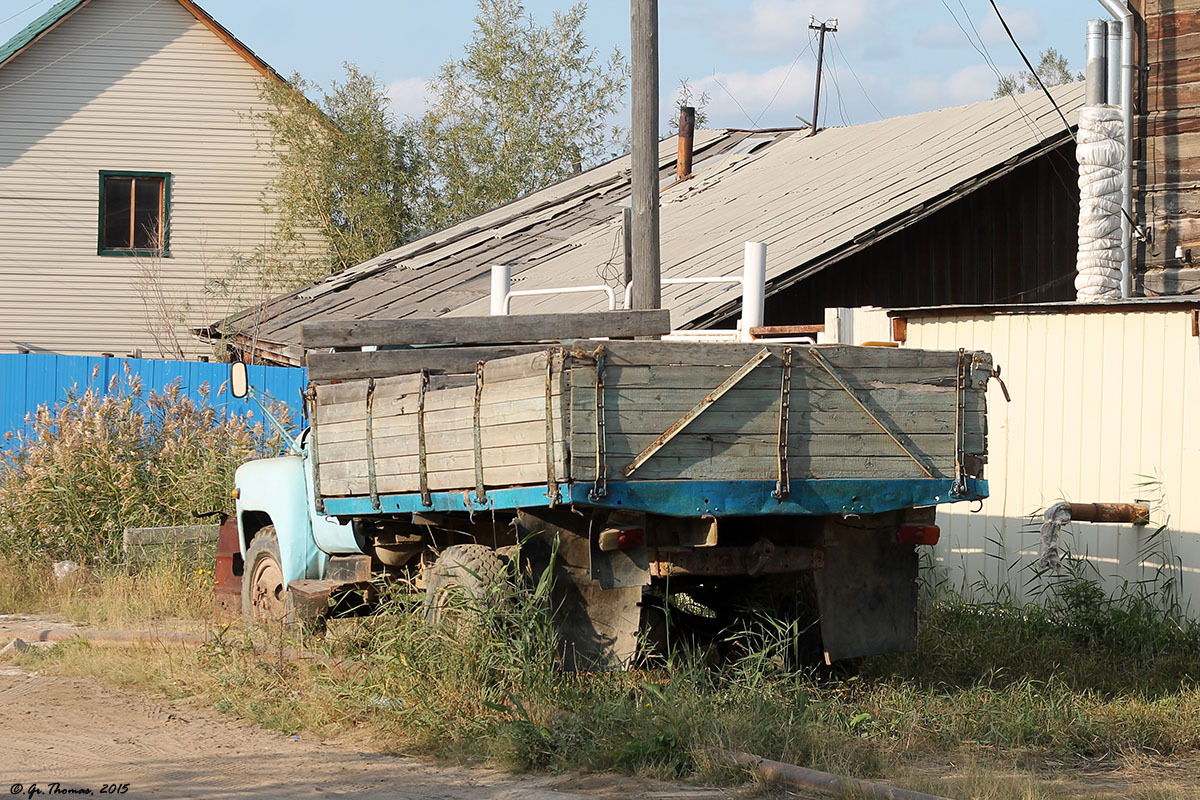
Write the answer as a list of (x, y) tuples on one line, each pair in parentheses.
[(1097, 415), (125, 85)]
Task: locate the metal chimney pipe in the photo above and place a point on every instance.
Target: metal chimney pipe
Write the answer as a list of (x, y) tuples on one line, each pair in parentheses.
[(1096, 70), (1114, 63), (754, 289), (501, 283), (1122, 12), (687, 133)]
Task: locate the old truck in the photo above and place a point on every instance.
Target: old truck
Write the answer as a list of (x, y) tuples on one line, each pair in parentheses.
[(804, 474)]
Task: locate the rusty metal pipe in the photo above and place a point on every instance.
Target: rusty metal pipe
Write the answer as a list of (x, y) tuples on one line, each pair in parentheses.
[(1135, 513), (687, 133)]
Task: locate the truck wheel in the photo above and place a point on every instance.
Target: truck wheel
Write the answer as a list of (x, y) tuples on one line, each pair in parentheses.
[(265, 600), (467, 575)]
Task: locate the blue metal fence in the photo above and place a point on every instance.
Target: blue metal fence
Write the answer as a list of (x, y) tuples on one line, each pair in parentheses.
[(33, 379)]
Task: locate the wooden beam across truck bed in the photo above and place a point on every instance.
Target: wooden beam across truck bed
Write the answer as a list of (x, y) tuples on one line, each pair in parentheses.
[(485, 330)]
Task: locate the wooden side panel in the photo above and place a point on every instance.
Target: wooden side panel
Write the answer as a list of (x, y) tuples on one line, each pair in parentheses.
[(512, 430), (829, 435)]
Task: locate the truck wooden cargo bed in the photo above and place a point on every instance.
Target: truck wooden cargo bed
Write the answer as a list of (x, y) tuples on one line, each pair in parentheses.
[(672, 427)]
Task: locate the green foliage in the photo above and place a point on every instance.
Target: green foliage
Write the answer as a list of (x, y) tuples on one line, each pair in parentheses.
[(345, 173), (99, 462), (1052, 69), (526, 105), (686, 97)]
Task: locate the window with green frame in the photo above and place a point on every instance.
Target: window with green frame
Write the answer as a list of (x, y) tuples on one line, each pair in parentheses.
[(133, 213)]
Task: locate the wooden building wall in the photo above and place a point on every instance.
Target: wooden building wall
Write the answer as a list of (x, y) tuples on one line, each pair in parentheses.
[(1011, 241)]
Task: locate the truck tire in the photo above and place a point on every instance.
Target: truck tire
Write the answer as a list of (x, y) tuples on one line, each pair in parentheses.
[(266, 603), (466, 576)]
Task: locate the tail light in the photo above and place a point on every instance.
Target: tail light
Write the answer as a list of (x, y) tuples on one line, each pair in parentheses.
[(918, 534), (621, 539)]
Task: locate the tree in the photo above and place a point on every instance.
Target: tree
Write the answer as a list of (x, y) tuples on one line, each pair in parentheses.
[(345, 174), (684, 96), (1052, 69), (526, 106)]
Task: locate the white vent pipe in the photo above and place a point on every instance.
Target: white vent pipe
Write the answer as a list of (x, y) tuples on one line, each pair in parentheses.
[(501, 283), (754, 288), (1121, 12)]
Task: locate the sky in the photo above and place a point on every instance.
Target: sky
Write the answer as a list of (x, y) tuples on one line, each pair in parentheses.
[(755, 59)]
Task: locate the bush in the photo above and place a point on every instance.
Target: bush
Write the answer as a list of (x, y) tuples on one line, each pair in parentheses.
[(101, 461)]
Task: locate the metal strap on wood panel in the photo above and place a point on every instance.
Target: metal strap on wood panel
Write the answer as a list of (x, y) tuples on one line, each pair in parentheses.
[(600, 489), (422, 461), (551, 480), (371, 484), (783, 486), (820, 359), (311, 396), (960, 406), (698, 409), (480, 494)]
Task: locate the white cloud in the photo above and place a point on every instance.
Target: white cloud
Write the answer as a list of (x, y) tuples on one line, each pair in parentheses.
[(1026, 26), (941, 35), (408, 96), (967, 85), (781, 26), (744, 99)]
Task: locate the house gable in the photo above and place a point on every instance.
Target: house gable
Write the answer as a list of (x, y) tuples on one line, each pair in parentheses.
[(138, 87)]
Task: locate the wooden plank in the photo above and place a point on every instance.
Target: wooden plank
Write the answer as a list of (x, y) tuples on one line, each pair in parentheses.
[(455, 461), (695, 354), (766, 421), (766, 376), (531, 409), (401, 444), (385, 388), (527, 475), (456, 397), (386, 363), (621, 448), (483, 330), (883, 401), (786, 330), (765, 469)]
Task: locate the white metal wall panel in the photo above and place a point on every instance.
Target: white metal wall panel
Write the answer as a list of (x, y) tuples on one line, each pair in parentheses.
[(124, 85), (1097, 415)]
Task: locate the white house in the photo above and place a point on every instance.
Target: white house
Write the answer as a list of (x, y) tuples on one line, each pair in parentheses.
[(131, 176)]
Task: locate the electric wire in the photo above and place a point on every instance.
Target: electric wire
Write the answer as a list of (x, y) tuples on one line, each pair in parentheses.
[(838, 88), (1032, 71), (22, 11), (842, 54), (787, 75), (717, 81), (88, 43)]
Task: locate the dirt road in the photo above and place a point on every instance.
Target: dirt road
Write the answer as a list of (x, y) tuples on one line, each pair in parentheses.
[(85, 736)]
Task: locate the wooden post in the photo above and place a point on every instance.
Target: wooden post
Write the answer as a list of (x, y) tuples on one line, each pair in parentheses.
[(823, 28), (647, 285)]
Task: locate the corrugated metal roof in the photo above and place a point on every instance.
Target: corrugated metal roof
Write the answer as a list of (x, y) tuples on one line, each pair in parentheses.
[(808, 198)]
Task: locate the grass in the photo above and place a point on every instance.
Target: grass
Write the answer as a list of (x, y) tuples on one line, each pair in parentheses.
[(998, 698)]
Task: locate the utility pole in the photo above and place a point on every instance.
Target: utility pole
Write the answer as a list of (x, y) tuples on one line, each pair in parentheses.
[(647, 286), (828, 26)]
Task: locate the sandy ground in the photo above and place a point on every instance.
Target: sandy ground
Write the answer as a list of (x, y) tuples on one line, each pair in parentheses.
[(86, 736)]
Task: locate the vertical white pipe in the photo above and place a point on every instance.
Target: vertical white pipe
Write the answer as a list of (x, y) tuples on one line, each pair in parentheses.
[(1096, 66), (501, 281), (1121, 12), (754, 288), (1113, 83)]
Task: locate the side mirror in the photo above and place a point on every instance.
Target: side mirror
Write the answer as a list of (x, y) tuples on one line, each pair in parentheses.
[(239, 382)]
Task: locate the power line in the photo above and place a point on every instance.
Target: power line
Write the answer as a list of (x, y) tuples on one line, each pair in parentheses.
[(846, 61), (22, 11), (1032, 71), (753, 122), (838, 88), (89, 42), (785, 78)]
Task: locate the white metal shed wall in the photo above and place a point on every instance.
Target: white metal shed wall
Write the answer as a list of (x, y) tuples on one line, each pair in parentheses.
[(1099, 400), (123, 85)]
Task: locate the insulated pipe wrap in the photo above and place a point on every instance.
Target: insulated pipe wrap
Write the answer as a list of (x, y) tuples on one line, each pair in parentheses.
[(1101, 153)]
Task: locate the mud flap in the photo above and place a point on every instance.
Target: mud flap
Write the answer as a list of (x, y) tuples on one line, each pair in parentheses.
[(598, 626), (867, 590)]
